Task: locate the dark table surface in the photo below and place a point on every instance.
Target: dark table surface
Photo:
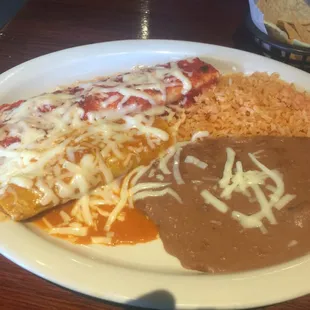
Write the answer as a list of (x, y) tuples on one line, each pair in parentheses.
[(45, 26)]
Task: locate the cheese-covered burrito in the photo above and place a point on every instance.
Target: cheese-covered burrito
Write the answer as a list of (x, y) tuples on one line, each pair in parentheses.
[(58, 146)]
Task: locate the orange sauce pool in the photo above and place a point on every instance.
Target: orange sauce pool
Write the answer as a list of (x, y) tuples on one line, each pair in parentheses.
[(136, 227)]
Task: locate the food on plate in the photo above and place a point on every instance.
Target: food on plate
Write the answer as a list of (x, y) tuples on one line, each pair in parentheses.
[(235, 204), (216, 166), (57, 147), (289, 16), (238, 105)]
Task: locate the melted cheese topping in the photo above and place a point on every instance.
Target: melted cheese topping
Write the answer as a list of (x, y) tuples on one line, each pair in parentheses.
[(64, 143), (89, 156)]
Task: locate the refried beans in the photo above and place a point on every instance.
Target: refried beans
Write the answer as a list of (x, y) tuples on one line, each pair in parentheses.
[(206, 239)]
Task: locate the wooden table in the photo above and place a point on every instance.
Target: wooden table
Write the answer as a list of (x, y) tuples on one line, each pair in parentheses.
[(46, 26)]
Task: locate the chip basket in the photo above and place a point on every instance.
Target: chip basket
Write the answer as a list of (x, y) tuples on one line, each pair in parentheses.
[(295, 56)]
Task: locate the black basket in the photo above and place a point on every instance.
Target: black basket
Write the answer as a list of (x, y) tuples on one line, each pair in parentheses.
[(296, 56)]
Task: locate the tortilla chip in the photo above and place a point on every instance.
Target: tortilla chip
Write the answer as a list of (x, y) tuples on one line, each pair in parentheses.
[(301, 30), (270, 10), (285, 10), (275, 32), (290, 30)]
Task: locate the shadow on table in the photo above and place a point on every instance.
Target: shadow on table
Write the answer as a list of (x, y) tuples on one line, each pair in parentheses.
[(243, 39), (162, 299)]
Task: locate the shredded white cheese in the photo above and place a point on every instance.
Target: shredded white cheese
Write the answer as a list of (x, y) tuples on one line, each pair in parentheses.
[(75, 231), (215, 202), (199, 135), (159, 193), (195, 161), (241, 181)]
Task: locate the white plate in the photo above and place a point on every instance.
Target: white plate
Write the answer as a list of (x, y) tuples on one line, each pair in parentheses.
[(142, 275)]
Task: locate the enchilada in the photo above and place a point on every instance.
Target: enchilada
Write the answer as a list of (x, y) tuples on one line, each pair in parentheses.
[(58, 146)]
